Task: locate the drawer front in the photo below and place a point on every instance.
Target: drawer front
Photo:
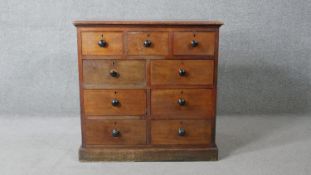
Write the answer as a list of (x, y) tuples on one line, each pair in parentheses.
[(180, 132), (115, 102), (147, 43), (194, 43), (115, 132), (102, 43), (182, 103), (114, 73), (182, 72)]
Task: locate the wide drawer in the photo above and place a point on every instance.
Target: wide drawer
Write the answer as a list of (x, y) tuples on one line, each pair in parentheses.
[(194, 43), (115, 132), (182, 103), (102, 43), (147, 43), (114, 73), (180, 132), (115, 102), (182, 72)]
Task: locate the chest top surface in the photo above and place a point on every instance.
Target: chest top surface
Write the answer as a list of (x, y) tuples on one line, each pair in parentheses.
[(148, 23)]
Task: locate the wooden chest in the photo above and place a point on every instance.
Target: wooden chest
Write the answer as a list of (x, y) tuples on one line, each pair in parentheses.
[(148, 90)]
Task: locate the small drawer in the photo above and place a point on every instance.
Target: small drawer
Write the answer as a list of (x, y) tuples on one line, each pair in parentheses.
[(180, 132), (115, 102), (182, 103), (147, 43), (194, 43), (102, 43), (182, 72), (115, 132), (114, 73)]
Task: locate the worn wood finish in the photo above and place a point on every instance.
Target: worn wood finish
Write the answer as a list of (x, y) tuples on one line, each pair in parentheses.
[(198, 103), (99, 102), (166, 132), (130, 73), (182, 43), (149, 154), (147, 86), (159, 43), (157, 23), (90, 43), (80, 64), (166, 72), (99, 132)]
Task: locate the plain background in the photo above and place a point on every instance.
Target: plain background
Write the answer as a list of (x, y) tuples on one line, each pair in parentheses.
[(264, 84)]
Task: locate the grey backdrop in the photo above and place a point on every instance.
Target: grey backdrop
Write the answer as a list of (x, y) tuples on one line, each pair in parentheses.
[(265, 51)]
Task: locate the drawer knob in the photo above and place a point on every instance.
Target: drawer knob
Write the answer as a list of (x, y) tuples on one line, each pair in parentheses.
[(194, 43), (114, 73), (115, 102), (147, 43), (182, 72), (181, 102), (102, 43), (181, 132), (115, 133)]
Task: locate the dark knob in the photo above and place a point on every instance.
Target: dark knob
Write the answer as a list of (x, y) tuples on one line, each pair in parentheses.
[(181, 132), (115, 102), (181, 102), (194, 43), (147, 43), (102, 43), (182, 72), (115, 133), (114, 73)]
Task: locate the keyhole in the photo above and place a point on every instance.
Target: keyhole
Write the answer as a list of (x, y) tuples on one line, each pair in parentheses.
[(181, 63)]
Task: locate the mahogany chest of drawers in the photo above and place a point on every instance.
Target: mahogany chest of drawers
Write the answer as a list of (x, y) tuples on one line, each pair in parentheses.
[(148, 90)]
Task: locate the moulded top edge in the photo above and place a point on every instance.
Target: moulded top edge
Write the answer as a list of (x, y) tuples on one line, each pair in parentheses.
[(172, 23)]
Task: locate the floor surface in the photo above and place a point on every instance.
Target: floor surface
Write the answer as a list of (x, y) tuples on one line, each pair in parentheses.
[(249, 145)]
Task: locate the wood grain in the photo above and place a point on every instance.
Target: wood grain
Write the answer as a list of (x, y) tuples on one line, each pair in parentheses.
[(147, 23), (148, 86), (90, 43), (98, 102), (182, 43), (198, 72), (131, 73), (149, 154), (166, 132), (159, 44), (199, 103), (132, 132)]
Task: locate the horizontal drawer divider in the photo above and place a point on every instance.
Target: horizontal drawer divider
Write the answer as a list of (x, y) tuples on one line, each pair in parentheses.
[(162, 86), (117, 88), (155, 87), (167, 57), (115, 117), (154, 146)]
